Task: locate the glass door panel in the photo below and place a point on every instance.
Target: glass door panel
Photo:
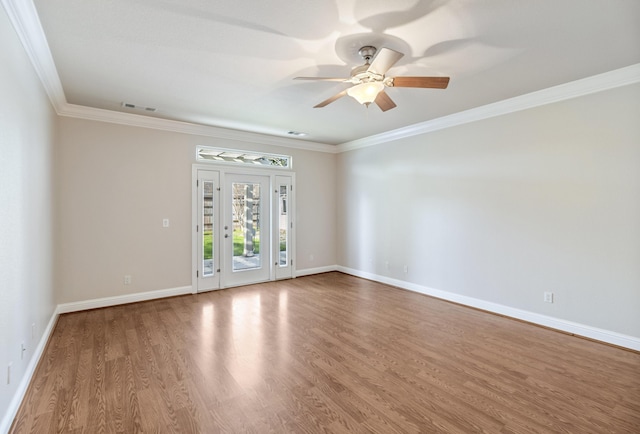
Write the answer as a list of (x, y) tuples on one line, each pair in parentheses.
[(246, 208), (283, 226), (247, 241), (207, 228), (208, 191)]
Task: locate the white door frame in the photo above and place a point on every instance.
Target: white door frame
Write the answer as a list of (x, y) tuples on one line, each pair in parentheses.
[(222, 170)]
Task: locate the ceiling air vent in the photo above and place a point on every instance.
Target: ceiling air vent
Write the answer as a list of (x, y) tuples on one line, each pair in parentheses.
[(138, 107)]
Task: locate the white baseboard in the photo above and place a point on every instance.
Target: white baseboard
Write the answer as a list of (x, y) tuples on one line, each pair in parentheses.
[(598, 334), (121, 299), (318, 270), (18, 396), (614, 338)]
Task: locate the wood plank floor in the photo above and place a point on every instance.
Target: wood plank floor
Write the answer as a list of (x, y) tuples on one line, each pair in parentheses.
[(328, 353)]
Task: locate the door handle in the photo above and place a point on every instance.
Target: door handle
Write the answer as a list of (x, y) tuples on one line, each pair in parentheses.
[(226, 235)]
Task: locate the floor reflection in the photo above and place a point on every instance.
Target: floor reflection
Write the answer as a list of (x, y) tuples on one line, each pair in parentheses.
[(283, 325), (247, 338), (207, 335)]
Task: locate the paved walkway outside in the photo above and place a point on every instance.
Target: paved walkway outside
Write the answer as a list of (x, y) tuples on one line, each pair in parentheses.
[(242, 263)]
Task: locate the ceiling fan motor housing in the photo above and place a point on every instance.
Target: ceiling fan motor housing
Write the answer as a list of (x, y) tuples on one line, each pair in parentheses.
[(367, 52), (361, 74)]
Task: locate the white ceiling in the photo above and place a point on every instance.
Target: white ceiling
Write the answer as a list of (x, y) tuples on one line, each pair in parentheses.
[(231, 64)]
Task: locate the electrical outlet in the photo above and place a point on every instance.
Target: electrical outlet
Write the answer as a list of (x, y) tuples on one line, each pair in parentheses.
[(386, 265), (165, 223), (548, 297), (22, 350), (9, 373), (406, 269), (33, 330), (127, 280)]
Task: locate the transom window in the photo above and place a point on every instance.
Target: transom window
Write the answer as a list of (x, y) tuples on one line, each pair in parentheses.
[(233, 156)]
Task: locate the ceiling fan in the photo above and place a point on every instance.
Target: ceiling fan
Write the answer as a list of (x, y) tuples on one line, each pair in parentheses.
[(369, 79)]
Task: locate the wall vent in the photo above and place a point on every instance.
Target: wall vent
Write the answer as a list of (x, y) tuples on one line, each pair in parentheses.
[(138, 107)]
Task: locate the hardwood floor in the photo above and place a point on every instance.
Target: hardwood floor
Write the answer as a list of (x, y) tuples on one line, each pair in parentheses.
[(328, 353)]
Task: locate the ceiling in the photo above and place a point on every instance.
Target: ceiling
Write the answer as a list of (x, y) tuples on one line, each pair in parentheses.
[(231, 64)]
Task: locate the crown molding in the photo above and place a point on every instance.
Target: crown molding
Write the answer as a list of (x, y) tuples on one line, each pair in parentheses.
[(132, 119), (25, 20), (24, 17), (597, 83)]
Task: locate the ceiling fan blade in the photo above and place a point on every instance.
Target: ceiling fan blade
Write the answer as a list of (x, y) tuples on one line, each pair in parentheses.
[(385, 59), (320, 78), (384, 102), (424, 82), (332, 99)]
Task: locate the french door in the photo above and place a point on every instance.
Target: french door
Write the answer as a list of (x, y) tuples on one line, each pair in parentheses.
[(247, 239), (243, 228)]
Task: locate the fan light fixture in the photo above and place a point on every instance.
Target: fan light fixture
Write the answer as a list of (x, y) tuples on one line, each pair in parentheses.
[(366, 93), (369, 80)]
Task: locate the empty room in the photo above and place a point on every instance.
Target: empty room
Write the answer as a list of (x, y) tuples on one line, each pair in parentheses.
[(319, 216)]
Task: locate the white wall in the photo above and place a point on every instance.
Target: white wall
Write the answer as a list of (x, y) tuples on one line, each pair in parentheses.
[(115, 185), (27, 133), (500, 210)]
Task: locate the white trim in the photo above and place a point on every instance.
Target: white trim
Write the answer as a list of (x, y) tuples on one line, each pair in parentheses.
[(24, 18), (318, 270), (136, 120), (597, 83), (555, 323), (18, 395), (574, 89), (194, 223), (598, 334), (121, 299)]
